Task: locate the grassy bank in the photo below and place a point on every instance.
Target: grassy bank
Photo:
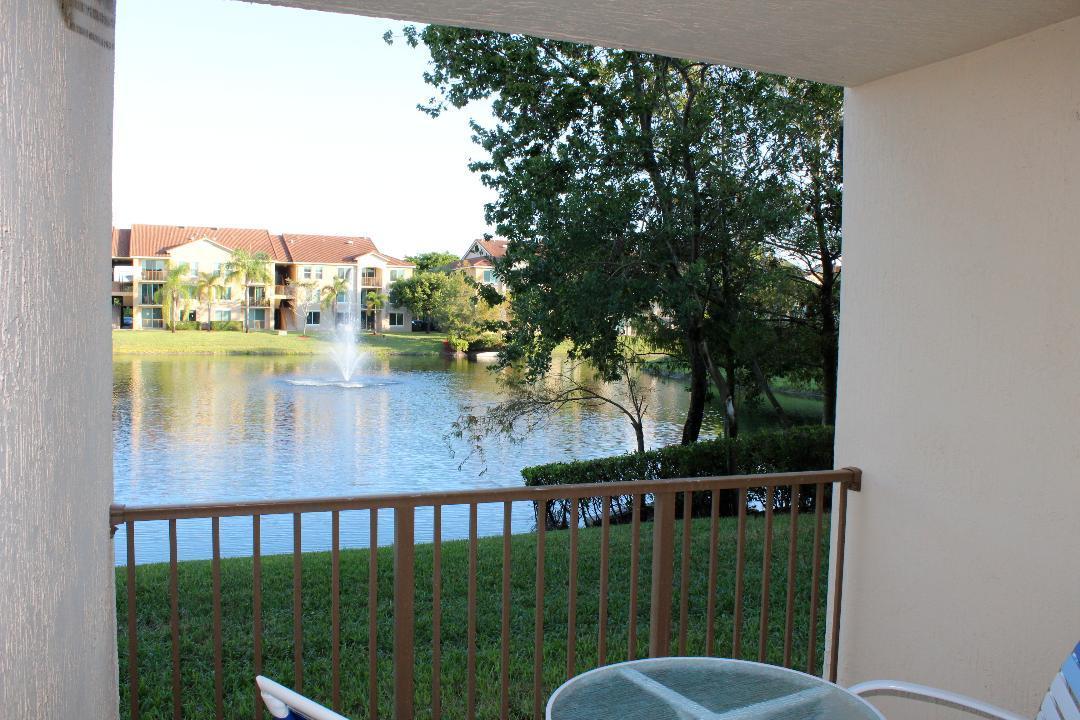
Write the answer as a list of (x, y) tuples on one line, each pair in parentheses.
[(196, 614), (200, 342)]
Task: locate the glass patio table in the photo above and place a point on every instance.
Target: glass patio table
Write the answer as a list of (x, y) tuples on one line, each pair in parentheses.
[(703, 688)]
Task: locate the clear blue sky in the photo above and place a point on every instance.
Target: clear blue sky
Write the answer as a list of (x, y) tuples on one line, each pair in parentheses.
[(232, 114)]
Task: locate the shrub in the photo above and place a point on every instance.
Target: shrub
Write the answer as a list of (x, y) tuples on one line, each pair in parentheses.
[(188, 325), (795, 449), (226, 325)]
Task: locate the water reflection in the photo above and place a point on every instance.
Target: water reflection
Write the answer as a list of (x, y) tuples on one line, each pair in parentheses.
[(200, 429)]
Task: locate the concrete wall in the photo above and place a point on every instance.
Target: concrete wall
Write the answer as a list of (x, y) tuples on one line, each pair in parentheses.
[(57, 633), (960, 372)]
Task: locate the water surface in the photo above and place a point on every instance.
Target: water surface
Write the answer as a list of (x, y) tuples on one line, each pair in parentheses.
[(202, 429)]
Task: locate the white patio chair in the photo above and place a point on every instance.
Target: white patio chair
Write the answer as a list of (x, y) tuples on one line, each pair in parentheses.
[(285, 704), (1062, 701)]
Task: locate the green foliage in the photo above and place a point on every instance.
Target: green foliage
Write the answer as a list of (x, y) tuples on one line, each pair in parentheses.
[(466, 317), (232, 325), (187, 325), (418, 293), (431, 261), (795, 449), (249, 269)]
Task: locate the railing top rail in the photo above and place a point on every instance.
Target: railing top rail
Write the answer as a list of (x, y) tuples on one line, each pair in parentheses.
[(119, 514)]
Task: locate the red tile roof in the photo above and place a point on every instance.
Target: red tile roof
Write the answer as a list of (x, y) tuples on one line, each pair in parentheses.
[(155, 240), (494, 248), (121, 242), (326, 248)]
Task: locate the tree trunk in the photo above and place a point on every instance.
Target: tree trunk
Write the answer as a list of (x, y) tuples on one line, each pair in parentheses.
[(639, 435), (699, 388), (766, 388), (829, 345)]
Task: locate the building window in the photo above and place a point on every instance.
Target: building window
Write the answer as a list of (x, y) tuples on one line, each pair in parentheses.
[(313, 317), (367, 274), (191, 316), (306, 272), (397, 319), (222, 315), (343, 272), (257, 295), (152, 318), (318, 272), (257, 318), (149, 294), (342, 297), (193, 269), (396, 275), (225, 293), (489, 276)]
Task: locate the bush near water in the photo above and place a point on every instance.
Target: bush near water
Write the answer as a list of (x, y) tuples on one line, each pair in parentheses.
[(795, 449)]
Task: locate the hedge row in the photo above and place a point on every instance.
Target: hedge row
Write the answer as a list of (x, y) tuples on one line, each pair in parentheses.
[(795, 449), (216, 325)]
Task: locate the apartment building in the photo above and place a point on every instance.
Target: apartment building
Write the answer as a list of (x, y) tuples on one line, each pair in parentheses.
[(478, 262), (289, 295)]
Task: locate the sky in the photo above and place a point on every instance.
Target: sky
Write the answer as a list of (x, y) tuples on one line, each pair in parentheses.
[(229, 114)]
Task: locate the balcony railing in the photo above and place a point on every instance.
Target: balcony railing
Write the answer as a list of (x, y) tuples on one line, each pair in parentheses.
[(123, 286), (151, 275), (686, 523)]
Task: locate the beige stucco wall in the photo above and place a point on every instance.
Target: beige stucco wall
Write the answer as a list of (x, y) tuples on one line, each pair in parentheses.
[(960, 372), (57, 633)]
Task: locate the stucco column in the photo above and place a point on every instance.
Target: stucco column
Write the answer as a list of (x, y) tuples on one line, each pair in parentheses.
[(57, 627)]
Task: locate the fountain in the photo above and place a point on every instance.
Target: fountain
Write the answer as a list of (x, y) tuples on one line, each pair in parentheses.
[(343, 348), (346, 354)]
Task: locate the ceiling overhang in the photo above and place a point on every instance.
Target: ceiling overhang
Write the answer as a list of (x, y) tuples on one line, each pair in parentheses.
[(844, 42)]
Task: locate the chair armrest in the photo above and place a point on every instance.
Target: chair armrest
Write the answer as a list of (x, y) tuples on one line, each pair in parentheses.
[(933, 695)]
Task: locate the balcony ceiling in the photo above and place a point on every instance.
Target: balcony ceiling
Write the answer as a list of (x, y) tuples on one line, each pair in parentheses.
[(846, 42)]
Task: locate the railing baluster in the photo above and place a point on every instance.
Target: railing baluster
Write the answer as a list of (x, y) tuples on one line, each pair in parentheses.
[(740, 565), (504, 638), (404, 610), (174, 620), (684, 571), (662, 572), (766, 575), (436, 613), (571, 598), (710, 601), (470, 659), (605, 541), (256, 605), (838, 581), (815, 576), (793, 542), (133, 632), (335, 610), (298, 609), (373, 614), (215, 580), (635, 552), (538, 617)]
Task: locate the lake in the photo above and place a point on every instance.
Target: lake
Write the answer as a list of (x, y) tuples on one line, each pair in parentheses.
[(205, 428)]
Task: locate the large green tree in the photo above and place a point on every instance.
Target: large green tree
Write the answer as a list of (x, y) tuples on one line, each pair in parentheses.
[(634, 188), (431, 261), (418, 294)]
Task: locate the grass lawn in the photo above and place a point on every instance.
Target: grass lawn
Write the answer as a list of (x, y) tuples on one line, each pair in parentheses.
[(197, 647), (200, 342)]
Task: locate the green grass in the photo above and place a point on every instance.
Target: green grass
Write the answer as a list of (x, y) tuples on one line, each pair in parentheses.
[(200, 342), (196, 612)]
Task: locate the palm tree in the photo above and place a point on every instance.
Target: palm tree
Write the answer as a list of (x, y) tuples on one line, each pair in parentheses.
[(250, 269), (330, 295), (205, 286), (172, 291), (373, 301)]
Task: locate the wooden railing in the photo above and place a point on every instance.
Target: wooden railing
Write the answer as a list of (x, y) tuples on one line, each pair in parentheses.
[(794, 579), (154, 275)]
